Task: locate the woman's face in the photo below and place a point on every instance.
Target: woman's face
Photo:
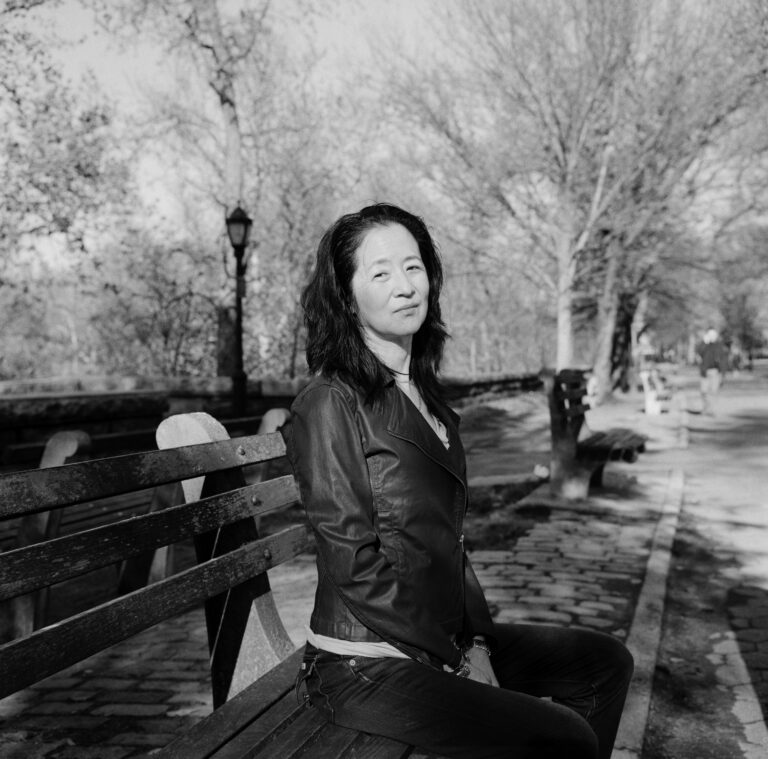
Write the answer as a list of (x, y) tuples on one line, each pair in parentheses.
[(390, 285)]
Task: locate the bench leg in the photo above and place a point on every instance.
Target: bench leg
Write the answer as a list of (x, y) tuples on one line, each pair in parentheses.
[(596, 480), (570, 481), (573, 482)]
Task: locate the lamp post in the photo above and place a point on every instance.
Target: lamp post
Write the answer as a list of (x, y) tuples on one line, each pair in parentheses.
[(238, 229)]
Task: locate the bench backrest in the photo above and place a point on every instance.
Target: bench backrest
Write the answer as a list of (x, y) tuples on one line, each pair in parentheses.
[(568, 402), (220, 515)]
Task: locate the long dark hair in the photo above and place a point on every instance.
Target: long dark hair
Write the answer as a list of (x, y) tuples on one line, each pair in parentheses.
[(335, 343)]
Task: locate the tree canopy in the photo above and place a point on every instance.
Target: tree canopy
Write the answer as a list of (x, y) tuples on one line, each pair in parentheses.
[(592, 169)]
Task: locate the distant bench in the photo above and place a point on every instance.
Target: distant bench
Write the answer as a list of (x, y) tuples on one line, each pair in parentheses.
[(253, 661), (657, 394), (578, 461)]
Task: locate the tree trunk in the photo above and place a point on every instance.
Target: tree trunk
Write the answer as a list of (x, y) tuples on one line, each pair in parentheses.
[(606, 325), (566, 275), (636, 329), (221, 77)]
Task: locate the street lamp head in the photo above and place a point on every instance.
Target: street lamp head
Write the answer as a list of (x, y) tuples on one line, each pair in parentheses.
[(238, 227)]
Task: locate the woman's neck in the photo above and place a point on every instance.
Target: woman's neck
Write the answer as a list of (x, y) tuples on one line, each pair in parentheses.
[(394, 355)]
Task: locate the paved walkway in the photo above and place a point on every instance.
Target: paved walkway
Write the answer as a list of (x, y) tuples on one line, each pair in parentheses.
[(711, 691), (601, 563)]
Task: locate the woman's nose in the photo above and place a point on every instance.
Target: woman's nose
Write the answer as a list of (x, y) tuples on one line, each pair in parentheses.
[(403, 284)]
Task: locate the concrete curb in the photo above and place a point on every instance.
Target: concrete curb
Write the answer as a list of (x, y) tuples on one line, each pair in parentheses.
[(645, 634), (733, 671)]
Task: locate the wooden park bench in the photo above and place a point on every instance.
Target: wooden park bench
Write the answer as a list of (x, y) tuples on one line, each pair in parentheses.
[(252, 659), (579, 457), (657, 395)]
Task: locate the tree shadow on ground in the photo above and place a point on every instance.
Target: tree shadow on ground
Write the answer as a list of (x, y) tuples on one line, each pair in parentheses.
[(747, 429), (691, 710), (748, 615), (496, 520), (495, 424)]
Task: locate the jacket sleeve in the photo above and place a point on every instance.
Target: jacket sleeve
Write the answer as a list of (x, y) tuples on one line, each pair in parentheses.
[(326, 452), (478, 620)]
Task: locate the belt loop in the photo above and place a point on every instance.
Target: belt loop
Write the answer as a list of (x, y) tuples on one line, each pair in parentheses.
[(305, 670)]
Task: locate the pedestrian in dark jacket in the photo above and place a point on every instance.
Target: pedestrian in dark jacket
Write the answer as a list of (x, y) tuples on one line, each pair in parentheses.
[(713, 363), (401, 642)]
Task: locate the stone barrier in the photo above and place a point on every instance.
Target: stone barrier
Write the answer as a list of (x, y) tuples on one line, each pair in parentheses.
[(120, 414)]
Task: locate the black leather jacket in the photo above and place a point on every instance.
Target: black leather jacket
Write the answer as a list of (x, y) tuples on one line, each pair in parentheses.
[(386, 501)]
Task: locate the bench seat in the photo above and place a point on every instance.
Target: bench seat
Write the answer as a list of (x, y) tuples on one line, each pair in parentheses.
[(612, 445), (268, 721)]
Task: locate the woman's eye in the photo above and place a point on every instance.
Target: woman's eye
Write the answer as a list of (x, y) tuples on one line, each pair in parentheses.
[(380, 275)]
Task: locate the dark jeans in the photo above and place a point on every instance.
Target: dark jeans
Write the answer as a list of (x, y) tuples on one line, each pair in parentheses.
[(561, 696)]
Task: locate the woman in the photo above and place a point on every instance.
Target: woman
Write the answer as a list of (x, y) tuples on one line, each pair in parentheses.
[(401, 642)]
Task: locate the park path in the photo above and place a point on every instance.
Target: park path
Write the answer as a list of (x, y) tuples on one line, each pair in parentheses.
[(711, 692), (602, 563)]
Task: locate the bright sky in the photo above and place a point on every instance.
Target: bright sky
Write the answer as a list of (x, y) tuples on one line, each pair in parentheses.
[(346, 33), (88, 48), (344, 36)]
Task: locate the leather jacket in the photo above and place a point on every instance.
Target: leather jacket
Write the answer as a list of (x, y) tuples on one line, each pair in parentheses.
[(386, 501)]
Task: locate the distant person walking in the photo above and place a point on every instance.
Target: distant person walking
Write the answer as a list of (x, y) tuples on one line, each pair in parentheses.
[(713, 363)]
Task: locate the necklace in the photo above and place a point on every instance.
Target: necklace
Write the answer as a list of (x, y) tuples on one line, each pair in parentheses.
[(407, 388)]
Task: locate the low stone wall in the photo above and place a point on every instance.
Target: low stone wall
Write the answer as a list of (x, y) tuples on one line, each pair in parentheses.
[(27, 418), (122, 413), (461, 392)]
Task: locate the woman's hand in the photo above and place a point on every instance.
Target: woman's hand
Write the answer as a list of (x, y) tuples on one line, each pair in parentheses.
[(480, 669)]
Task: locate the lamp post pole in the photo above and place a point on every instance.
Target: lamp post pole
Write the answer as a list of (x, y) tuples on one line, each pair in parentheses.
[(238, 228), (239, 377)]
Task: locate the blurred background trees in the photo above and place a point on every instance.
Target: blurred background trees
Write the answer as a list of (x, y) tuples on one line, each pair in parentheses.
[(592, 170)]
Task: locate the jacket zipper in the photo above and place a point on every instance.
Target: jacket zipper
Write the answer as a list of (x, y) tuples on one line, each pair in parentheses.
[(450, 471)]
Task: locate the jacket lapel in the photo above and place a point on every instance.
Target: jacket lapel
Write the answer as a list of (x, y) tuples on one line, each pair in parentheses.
[(406, 422)]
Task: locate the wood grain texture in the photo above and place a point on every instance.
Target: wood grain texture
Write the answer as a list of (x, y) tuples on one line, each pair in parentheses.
[(42, 489), (51, 649)]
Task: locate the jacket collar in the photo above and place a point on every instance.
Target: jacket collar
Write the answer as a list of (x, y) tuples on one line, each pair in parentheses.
[(406, 422)]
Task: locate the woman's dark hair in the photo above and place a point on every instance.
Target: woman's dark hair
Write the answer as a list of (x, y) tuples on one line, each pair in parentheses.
[(335, 343)]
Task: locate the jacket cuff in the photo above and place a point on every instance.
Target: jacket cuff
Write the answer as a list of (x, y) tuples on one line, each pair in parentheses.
[(455, 660)]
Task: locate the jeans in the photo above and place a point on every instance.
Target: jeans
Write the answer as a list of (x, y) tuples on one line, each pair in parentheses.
[(561, 695), (710, 385)]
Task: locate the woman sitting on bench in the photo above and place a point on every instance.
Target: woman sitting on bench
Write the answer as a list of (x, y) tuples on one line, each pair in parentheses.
[(401, 642)]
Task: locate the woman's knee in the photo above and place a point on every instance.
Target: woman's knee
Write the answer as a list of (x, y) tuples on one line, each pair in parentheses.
[(620, 659), (572, 737)]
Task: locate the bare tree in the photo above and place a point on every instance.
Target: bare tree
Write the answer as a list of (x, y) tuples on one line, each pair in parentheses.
[(575, 126), (274, 154), (64, 184)]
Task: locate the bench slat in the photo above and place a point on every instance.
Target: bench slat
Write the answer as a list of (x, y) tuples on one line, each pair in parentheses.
[(570, 393), (252, 704), (576, 410), (269, 725), (330, 742), (614, 444), (570, 375), (301, 739), (379, 747), (595, 440), (42, 489), (617, 439), (26, 660), (43, 564)]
